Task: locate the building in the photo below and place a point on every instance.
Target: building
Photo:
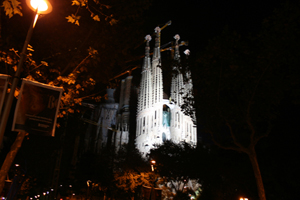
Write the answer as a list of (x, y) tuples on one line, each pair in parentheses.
[(159, 116)]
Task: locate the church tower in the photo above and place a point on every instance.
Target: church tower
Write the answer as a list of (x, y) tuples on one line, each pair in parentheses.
[(177, 90), (145, 100), (160, 119)]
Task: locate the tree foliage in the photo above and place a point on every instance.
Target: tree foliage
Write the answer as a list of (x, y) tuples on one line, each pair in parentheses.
[(69, 56), (177, 169), (12, 7), (76, 85), (95, 8), (115, 174), (64, 45), (65, 62), (169, 155)]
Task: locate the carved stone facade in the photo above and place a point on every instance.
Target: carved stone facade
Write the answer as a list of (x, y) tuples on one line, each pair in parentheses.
[(161, 119), (157, 119)]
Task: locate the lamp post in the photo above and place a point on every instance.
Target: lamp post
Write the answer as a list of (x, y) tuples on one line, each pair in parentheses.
[(152, 164), (88, 189), (40, 7)]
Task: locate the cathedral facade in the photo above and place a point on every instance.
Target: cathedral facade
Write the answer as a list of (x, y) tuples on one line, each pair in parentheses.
[(157, 119), (160, 119)]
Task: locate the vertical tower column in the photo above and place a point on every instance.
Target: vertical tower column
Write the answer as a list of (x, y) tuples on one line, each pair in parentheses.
[(144, 99), (156, 69)]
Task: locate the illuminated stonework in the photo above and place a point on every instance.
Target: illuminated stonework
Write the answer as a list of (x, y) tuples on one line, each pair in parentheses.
[(157, 120), (161, 119)]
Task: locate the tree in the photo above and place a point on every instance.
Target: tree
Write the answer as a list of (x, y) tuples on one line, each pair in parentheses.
[(114, 174), (95, 8), (177, 169), (66, 43), (32, 71), (243, 81), (128, 182), (221, 174), (65, 61)]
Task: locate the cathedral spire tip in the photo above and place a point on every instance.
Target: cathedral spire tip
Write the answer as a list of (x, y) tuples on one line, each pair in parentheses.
[(148, 38), (177, 56), (157, 29), (177, 37), (187, 52)]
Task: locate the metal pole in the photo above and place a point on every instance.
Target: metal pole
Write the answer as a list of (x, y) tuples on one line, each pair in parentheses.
[(15, 80)]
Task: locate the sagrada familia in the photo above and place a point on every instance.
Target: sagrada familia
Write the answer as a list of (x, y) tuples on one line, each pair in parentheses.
[(159, 117)]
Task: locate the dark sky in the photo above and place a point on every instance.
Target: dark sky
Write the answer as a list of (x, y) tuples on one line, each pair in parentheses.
[(198, 21), (195, 21)]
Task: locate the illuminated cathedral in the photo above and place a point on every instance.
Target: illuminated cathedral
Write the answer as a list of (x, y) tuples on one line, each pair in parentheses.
[(160, 119), (157, 119)]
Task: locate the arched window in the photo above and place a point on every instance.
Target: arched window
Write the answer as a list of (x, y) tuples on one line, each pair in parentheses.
[(166, 116)]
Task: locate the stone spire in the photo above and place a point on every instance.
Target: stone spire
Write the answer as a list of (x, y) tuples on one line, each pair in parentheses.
[(188, 73), (177, 77), (147, 64), (156, 70), (145, 94), (177, 55), (189, 87), (156, 53)]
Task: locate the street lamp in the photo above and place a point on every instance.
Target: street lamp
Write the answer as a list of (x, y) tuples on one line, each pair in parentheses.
[(152, 164), (40, 7), (88, 188)]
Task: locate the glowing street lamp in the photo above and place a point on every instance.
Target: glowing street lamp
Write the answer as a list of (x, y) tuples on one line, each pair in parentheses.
[(42, 7), (152, 164), (39, 8)]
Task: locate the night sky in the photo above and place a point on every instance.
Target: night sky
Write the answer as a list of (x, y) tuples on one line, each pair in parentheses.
[(198, 21)]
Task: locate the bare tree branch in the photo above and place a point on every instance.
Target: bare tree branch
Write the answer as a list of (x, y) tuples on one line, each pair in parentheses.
[(222, 146), (235, 141), (248, 118)]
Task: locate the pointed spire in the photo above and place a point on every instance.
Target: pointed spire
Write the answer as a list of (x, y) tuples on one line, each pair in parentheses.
[(147, 48), (147, 63), (177, 55), (157, 39), (156, 53), (187, 53)]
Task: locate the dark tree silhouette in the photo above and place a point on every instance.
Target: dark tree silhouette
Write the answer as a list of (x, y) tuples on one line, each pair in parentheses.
[(243, 80)]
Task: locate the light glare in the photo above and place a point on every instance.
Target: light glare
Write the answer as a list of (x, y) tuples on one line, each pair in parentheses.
[(39, 4)]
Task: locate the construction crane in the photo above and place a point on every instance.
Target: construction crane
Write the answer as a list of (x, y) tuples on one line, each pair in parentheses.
[(183, 43), (126, 72), (163, 27)]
